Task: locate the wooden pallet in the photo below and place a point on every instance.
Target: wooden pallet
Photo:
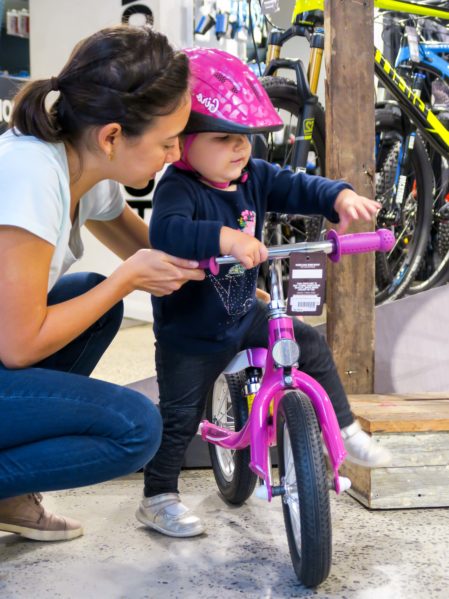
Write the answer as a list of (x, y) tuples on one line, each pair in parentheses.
[(415, 428)]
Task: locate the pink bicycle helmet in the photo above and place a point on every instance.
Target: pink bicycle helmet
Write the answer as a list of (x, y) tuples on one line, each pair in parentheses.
[(227, 96)]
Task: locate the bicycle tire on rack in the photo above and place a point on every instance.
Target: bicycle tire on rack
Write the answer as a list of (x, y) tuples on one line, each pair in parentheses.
[(434, 270), (302, 467), (396, 270), (231, 470), (284, 96)]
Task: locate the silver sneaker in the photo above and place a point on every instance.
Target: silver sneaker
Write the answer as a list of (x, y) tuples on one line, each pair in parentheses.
[(362, 449), (168, 515)]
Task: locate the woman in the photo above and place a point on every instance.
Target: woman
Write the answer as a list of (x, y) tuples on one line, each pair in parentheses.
[(122, 103)]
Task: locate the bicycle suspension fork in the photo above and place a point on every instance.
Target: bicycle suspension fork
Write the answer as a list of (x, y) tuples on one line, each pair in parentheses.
[(392, 210), (315, 59), (304, 130), (307, 85)]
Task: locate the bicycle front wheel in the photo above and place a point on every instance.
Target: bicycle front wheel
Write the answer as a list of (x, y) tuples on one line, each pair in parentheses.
[(226, 407), (302, 473)]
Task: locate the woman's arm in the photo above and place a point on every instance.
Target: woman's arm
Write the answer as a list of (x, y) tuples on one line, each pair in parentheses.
[(123, 235), (31, 330)]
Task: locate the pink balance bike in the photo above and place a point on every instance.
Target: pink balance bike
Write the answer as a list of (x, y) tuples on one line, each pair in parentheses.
[(262, 400)]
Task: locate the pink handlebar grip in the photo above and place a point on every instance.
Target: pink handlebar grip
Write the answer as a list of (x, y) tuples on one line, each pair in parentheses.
[(381, 240), (211, 264)]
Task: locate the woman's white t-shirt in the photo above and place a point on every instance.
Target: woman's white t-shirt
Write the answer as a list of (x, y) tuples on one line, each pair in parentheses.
[(35, 195)]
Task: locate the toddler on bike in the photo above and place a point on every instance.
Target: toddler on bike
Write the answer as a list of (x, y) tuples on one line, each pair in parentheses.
[(212, 202)]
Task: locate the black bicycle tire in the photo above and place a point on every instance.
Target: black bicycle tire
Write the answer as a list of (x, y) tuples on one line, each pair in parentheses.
[(312, 562), (283, 94), (388, 119), (286, 90), (439, 277), (440, 244), (244, 480)]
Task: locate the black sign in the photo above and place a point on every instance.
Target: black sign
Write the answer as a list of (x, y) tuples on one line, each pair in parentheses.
[(9, 86)]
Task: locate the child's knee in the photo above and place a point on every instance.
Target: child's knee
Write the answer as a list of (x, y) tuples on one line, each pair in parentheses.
[(315, 352), (182, 421)]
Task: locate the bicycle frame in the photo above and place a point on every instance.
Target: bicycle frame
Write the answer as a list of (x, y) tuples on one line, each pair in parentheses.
[(304, 20), (259, 430), (429, 59)]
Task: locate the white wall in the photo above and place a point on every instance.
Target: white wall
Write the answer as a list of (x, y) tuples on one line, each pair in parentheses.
[(56, 26)]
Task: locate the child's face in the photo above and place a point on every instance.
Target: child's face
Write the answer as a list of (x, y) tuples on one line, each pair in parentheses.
[(220, 157)]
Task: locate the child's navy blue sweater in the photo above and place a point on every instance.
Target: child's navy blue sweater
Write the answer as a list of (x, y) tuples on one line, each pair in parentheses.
[(213, 314)]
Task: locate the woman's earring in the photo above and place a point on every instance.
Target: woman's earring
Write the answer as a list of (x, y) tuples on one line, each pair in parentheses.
[(111, 155)]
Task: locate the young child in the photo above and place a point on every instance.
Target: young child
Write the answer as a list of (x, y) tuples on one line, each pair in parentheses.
[(214, 202)]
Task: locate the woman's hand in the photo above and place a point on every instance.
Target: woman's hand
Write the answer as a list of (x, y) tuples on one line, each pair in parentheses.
[(32, 330), (157, 272), (248, 250), (263, 295), (350, 206)]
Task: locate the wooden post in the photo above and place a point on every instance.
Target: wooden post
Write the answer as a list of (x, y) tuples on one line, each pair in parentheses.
[(349, 41)]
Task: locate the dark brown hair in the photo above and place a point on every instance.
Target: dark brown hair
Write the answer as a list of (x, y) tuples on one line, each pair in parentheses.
[(122, 74)]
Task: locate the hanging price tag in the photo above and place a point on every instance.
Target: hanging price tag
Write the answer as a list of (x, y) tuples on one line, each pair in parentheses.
[(306, 284)]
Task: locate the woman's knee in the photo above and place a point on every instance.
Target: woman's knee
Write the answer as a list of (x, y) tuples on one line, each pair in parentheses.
[(144, 436)]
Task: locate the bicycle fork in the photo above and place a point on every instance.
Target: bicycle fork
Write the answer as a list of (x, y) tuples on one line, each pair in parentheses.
[(275, 383), (260, 429), (307, 86)]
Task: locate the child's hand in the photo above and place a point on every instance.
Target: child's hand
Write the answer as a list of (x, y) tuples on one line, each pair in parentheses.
[(248, 250), (349, 206)]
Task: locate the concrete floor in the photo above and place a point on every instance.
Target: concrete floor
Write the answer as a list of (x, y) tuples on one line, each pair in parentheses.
[(377, 555), (399, 554)]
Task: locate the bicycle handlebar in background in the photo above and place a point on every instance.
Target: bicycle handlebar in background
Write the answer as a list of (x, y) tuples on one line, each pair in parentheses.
[(335, 246)]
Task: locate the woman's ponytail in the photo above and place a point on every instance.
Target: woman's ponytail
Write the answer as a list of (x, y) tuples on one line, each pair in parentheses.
[(30, 115)]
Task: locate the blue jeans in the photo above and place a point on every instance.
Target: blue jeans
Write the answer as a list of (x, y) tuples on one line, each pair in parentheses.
[(61, 429)]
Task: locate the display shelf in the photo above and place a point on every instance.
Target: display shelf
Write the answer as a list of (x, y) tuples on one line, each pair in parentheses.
[(415, 429), (14, 48)]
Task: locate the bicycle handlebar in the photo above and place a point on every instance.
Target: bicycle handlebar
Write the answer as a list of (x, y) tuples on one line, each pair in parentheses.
[(334, 245)]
